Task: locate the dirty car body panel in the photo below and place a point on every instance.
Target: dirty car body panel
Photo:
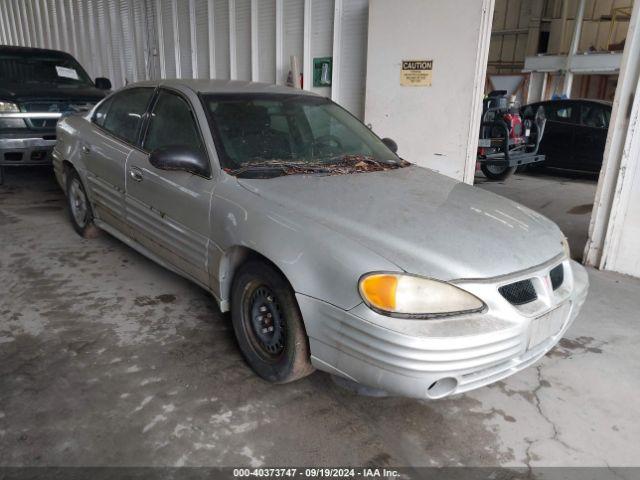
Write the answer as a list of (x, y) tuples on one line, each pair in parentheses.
[(324, 232)]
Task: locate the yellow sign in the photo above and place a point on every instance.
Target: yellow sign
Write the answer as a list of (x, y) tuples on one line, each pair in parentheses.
[(416, 73)]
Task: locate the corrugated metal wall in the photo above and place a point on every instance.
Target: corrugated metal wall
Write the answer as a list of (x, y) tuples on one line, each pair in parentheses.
[(132, 40)]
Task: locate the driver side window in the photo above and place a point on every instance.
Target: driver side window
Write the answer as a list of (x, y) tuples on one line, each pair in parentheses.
[(172, 124)]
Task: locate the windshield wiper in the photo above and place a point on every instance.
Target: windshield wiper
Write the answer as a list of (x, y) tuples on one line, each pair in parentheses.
[(341, 164), (269, 167)]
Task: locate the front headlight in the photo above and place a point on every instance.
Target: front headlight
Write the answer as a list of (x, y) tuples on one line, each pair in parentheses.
[(405, 295), (8, 107)]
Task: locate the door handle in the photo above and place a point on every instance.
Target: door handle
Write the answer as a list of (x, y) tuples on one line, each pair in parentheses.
[(135, 174), (86, 149)]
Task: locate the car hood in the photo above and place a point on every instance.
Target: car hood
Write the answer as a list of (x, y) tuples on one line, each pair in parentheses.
[(37, 91), (423, 222)]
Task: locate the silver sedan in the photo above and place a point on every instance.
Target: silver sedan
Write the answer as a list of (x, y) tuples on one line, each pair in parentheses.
[(330, 251)]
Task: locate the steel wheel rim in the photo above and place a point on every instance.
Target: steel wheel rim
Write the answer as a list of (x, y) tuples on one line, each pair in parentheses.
[(265, 323), (495, 169), (78, 203)]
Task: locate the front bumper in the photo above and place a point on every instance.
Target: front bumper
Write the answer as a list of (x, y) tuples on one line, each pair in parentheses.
[(439, 357), (26, 148)]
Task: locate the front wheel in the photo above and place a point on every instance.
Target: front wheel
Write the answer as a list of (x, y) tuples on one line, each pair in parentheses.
[(268, 324), (79, 207), (495, 172)]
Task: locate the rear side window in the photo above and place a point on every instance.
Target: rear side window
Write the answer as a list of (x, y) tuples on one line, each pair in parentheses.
[(123, 117), (172, 124)]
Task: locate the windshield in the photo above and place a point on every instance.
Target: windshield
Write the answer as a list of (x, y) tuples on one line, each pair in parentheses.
[(38, 67), (299, 132)]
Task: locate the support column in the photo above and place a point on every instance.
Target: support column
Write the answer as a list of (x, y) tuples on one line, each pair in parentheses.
[(575, 42), (407, 106), (537, 84), (614, 215)]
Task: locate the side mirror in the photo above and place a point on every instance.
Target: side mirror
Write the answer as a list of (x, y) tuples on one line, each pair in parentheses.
[(103, 83), (181, 158), (391, 144)]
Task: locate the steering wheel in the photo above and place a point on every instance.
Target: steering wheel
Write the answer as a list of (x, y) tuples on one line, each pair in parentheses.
[(327, 142)]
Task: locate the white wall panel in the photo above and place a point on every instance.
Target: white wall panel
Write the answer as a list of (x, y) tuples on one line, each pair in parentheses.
[(293, 43), (22, 31), (243, 39), (321, 38), (140, 25), (44, 11), (31, 23), (353, 58), (221, 41), (267, 41), (413, 115), (65, 25), (103, 40), (183, 35), (12, 22), (133, 40), (83, 51), (119, 52), (149, 30), (165, 22), (4, 33), (202, 37), (123, 14), (3, 36)]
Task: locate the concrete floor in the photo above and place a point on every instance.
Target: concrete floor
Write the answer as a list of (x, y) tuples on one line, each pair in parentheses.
[(564, 197), (107, 359)]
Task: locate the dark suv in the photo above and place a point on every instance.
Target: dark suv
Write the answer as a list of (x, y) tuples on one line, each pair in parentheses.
[(37, 87)]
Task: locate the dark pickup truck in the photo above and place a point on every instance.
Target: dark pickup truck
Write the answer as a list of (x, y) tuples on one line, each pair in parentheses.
[(37, 87)]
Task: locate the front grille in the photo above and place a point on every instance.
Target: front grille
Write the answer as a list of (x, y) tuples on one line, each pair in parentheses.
[(42, 106), (519, 293), (13, 156), (47, 123), (59, 106), (557, 276), (62, 106)]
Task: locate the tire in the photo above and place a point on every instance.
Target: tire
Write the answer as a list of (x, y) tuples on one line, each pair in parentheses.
[(79, 207), (497, 173), (268, 324)]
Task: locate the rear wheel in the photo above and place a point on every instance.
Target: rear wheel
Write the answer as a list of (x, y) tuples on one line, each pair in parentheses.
[(79, 207), (268, 324), (495, 172)]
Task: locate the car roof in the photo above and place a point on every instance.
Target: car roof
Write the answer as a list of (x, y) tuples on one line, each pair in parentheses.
[(30, 50), (222, 86), (583, 100)]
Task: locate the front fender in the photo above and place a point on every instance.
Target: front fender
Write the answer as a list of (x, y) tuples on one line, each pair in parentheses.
[(317, 261)]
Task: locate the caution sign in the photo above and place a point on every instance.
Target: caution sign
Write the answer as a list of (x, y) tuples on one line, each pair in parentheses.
[(416, 73)]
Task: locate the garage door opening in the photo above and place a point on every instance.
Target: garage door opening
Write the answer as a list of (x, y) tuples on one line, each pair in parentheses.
[(558, 60)]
